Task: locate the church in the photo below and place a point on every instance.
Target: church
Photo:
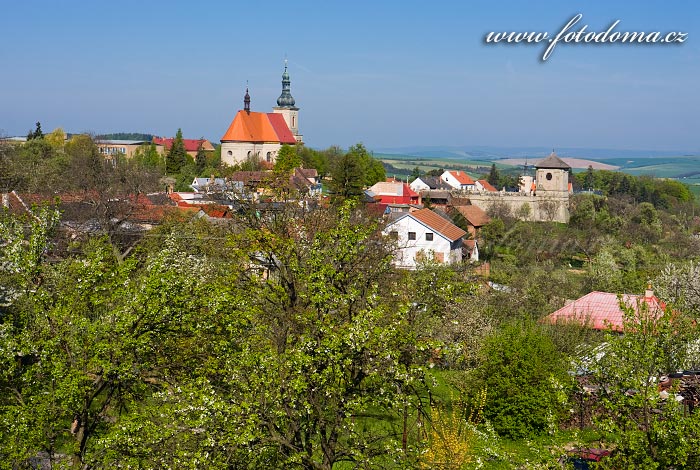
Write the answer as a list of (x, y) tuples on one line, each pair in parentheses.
[(261, 135)]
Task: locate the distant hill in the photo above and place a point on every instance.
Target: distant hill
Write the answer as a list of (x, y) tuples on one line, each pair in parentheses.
[(496, 153), (126, 136)]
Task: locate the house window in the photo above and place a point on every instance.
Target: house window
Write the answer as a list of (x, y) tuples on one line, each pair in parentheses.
[(411, 235), (394, 235), (429, 236)]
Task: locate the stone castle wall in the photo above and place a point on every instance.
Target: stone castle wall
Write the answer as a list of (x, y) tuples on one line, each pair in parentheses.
[(544, 206)]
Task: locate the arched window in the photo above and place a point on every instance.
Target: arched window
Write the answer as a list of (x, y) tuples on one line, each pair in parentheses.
[(269, 156), (249, 153), (293, 121)]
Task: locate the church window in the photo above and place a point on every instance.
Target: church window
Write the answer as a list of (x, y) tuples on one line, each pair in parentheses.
[(549, 176), (411, 235), (249, 153), (230, 152), (269, 156)]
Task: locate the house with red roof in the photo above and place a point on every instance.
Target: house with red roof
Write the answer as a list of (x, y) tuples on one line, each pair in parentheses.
[(483, 185), (163, 144), (397, 192), (258, 135), (459, 180), (603, 311), (424, 234)]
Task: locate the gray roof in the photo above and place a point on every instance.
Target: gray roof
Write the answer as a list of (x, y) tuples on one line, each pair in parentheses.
[(552, 161)]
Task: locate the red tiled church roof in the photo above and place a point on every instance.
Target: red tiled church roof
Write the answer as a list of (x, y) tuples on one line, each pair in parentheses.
[(258, 127)]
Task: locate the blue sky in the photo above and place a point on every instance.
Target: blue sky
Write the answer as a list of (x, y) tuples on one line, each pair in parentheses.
[(389, 74)]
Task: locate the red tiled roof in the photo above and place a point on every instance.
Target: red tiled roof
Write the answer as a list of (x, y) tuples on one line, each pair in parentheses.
[(474, 215), (487, 186), (601, 310), (258, 127), (462, 177), (191, 145), (438, 224)]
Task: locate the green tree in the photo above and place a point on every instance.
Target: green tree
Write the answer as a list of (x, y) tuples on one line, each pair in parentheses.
[(348, 176), (647, 429), (287, 159), (526, 381), (36, 133), (176, 157), (494, 177), (200, 158)]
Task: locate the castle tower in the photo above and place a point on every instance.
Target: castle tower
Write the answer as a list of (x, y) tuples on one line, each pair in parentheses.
[(552, 174), (286, 106)]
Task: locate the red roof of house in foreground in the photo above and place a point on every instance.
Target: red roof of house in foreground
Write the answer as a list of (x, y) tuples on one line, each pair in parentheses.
[(438, 224), (601, 310), (191, 145), (259, 127)]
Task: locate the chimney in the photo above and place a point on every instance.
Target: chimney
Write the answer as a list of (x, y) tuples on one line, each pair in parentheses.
[(649, 293)]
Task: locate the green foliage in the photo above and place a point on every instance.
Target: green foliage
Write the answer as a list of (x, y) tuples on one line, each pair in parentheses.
[(494, 177), (147, 156), (348, 176), (646, 429), (126, 136), (526, 380), (200, 158), (287, 159), (176, 157), (36, 133)]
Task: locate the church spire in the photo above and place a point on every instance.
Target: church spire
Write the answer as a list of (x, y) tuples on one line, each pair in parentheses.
[(246, 101), (285, 100)]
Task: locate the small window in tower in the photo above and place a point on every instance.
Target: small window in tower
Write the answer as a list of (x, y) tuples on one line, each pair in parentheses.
[(549, 176), (230, 152), (293, 121)]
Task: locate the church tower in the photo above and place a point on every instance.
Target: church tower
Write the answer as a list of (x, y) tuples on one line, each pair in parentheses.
[(286, 106), (552, 174)]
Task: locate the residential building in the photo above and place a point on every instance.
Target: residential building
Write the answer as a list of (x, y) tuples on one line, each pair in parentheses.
[(423, 234), (459, 180), (602, 310), (163, 144), (112, 148)]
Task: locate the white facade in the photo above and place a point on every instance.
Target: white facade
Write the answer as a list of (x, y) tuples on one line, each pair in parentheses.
[(418, 185), (413, 241), (238, 152), (449, 178)]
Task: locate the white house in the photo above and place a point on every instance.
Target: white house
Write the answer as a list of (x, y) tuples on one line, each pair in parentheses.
[(459, 180), (424, 234)]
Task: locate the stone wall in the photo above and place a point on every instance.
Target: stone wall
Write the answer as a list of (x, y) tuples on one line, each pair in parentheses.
[(545, 206)]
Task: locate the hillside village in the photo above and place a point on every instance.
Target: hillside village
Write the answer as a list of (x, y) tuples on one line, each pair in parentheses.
[(256, 303)]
